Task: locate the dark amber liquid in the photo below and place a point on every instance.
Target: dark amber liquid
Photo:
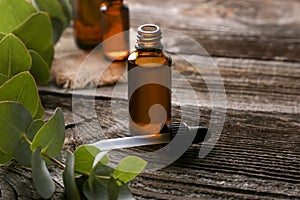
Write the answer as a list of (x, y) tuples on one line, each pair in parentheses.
[(115, 20), (87, 23), (149, 91)]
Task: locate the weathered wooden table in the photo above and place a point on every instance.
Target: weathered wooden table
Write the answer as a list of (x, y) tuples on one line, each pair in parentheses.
[(256, 46)]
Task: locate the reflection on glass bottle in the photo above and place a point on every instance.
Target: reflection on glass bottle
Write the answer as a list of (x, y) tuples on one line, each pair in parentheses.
[(114, 21), (87, 26), (149, 83)]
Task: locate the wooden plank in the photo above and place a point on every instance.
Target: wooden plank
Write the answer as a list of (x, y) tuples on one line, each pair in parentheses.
[(252, 85), (16, 183), (256, 157), (245, 29)]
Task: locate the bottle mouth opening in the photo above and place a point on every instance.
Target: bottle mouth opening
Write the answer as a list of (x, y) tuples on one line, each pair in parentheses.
[(149, 36), (149, 28)]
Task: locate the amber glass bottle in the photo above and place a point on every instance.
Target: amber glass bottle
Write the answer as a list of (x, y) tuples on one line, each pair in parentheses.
[(87, 23), (114, 21), (149, 83)]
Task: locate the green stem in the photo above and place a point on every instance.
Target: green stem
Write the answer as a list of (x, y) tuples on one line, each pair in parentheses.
[(26, 139), (60, 164), (54, 160), (103, 177)]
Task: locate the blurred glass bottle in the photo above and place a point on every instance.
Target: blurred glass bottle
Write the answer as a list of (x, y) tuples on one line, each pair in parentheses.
[(87, 23), (114, 21), (149, 82)]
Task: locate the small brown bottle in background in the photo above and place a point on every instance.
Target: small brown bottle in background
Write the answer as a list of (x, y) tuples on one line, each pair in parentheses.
[(115, 20), (149, 83), (87, 23)]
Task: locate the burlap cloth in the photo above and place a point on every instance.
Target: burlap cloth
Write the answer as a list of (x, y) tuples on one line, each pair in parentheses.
[(74, 68)]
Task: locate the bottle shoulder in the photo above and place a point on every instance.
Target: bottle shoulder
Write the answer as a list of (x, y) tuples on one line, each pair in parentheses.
[(105, 6), (139, 57)]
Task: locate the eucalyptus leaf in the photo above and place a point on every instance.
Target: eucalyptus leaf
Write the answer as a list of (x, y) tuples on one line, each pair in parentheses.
[(69, 178), (113, 189), (124, 193), (96, 192), (102, 170), (41, 177), (14, 57), (5, 158), (14, 120), (3, 79), (129, 168), (21, 88), (101, 158), (40, 112), (52, 7), (48, 54), (66, 6), (102, 173), (35, 31), (58, 28), (51, 136), (2, 35), (84, 158), (14, 12), (58, 19), (39, 68), (23, 154)]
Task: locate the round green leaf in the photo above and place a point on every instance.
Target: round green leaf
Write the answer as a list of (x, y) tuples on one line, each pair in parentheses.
[(101, 159), (3, 79), (41, 177), (96, 192), (2, 35), (48, 54), (66, 6), (21, 88), (52, 7), (113, 189), (14, 57), (39, 68), (23, 154), (58, 28), (40, 111), (100, 170), (129, 168), (51, 135), (35, 31), (58, 19), (84, 158), (124, 193), (14, 120), (5, 158), (14, 12), (69, 178)]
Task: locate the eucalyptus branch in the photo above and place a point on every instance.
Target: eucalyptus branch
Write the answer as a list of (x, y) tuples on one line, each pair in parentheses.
[(60, 164), (54, 160)]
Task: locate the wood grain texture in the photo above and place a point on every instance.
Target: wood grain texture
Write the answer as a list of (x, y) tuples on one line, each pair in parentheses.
[(256, 157), (249, 84), (256, 47), (16, 183), (245, 29)]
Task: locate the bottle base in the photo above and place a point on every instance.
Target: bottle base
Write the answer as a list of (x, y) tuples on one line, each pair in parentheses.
[(146, 129), (86, 45)]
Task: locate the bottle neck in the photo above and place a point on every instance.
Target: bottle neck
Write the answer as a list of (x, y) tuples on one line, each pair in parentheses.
[(149, 37)]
